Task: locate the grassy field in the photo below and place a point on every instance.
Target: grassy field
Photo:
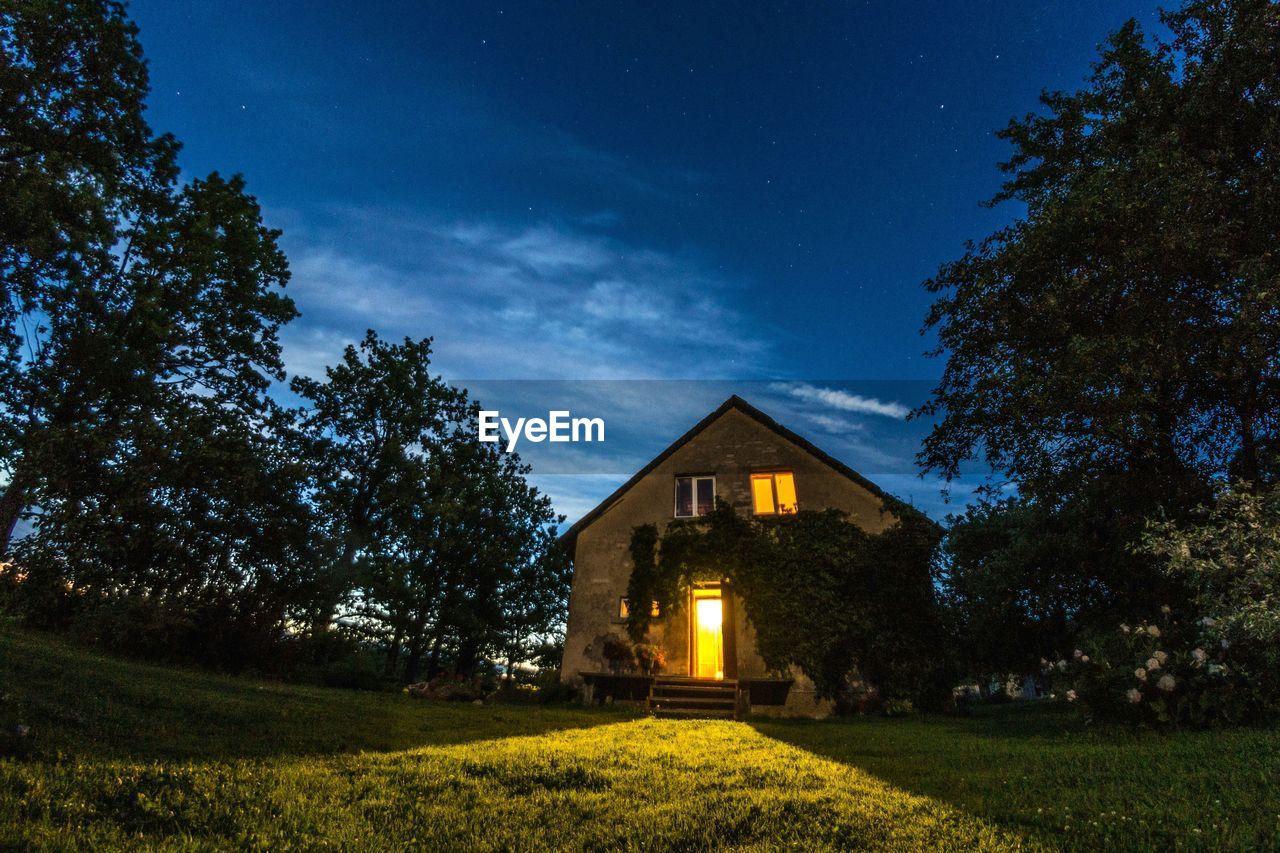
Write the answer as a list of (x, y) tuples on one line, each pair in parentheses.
[(125, 754)]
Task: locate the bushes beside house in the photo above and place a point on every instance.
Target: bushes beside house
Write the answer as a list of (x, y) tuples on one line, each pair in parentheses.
[(822, 594), (1214, 659)]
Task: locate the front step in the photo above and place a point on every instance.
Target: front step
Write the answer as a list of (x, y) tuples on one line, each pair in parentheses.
[(693, 697)]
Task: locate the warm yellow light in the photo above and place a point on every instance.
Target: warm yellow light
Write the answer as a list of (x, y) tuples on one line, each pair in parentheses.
[(786, 484), (774, 493), (762, 493), (710, 635)]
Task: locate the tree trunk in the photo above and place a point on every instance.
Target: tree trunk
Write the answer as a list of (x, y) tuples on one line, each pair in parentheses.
[(12, 502), (414, 662), (1247, 464), (393, 653), (433, 662)]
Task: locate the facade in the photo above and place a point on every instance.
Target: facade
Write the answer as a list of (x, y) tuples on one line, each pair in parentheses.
[(742, 456)]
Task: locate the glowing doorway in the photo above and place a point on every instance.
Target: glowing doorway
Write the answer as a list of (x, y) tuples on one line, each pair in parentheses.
[(708, 634)]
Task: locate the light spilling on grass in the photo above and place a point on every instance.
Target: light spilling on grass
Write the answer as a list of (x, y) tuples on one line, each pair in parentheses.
[(120, 754)]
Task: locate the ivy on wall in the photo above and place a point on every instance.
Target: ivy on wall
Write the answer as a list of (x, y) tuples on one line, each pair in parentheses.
[(822, 593)]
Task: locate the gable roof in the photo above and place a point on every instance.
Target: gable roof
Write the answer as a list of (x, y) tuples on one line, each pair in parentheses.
[(570, 536)]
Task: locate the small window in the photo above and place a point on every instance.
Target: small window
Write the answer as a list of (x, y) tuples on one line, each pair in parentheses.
[(774, 493), (624, 609), (695, 496)]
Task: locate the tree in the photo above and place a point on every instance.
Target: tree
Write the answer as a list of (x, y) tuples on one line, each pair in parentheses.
[(139, 338), (1012, 575), (148, 443), (1118, 346), (77, 164), (378, 417), (437, 542), (1128, 326), (119, 287)]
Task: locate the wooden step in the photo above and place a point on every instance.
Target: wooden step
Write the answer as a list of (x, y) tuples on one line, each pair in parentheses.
[(694, 701), (687, 714), (673, 690), (684, 697)]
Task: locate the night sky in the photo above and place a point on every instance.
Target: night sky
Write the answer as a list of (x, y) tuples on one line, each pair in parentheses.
[(605, 191)]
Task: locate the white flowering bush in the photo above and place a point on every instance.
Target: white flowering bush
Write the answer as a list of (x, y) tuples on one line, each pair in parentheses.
[(1161, 673), (1231, 561)]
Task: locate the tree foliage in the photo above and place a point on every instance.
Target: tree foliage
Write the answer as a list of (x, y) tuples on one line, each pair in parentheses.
[(1230, 557), (435, 543), (821, 593), (1116, 349), (1126, 329), (176, 509)]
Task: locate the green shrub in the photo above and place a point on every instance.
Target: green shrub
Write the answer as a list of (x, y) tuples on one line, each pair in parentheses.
[(1162, 675)]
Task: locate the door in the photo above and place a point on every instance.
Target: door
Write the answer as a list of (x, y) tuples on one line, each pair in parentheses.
[(708, 634)]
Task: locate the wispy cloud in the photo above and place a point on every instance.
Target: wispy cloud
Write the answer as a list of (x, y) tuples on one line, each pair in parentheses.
[(834, 425), (843, 400), (543, 301)]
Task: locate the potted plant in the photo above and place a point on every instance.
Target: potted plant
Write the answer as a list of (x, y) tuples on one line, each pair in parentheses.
[(651, 658), (617, 652)]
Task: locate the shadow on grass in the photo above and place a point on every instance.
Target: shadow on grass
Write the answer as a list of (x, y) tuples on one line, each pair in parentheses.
[(972, 762), (79, 703)]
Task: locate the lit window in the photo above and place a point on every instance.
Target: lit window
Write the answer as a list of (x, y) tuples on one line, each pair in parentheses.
[(774, 493), (695, 496), (624, 609)]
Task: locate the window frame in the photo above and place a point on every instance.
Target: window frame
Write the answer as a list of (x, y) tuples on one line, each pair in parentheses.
[(772, 474), (693, 478), (624, 609)]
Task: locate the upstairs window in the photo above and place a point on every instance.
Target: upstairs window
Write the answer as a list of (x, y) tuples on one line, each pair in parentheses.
[(774, 493), (695, 496), (624, 609)]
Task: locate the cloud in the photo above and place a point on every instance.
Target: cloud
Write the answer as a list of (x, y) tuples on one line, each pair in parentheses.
[(548, 300), (308, 351), (835, 426), (843, 400)]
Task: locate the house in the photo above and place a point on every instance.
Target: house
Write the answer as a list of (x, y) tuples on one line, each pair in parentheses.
[(737, 454)]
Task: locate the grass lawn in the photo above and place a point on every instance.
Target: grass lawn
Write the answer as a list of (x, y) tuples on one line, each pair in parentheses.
[(125, 754)]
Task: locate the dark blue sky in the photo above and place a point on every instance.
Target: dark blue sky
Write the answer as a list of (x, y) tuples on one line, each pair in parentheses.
[(601, 190)]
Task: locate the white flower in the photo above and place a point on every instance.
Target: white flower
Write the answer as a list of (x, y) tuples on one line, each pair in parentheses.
[(1160, 656), (1152, 664), (1062, 666), (1071, 696), (1084, 658), (1140, 674), (1166, 609), (1134, 695), (1166, 683), (1208, 622), (1225, 644), (1044, 664), (1199, 655), (1215, 668), (1077, 654), (1124, 628), (1153, 631)]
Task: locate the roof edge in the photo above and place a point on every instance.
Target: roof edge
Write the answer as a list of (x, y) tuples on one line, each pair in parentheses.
[(570, 536)]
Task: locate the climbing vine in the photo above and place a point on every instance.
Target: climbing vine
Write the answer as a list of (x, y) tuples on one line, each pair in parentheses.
[(821, 592)]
